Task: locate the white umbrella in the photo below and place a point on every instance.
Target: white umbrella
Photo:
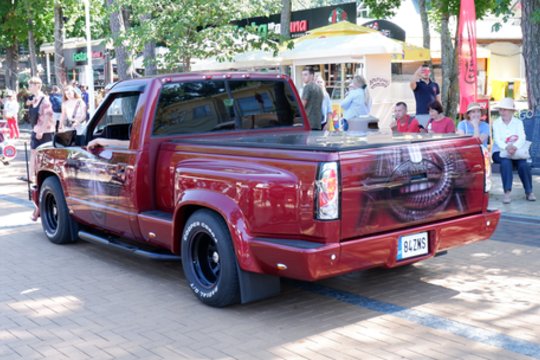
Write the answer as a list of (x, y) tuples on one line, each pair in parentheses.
[(346, 46), (246, 60)]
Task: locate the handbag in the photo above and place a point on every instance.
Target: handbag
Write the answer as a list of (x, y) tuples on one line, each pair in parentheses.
[(521, 153)]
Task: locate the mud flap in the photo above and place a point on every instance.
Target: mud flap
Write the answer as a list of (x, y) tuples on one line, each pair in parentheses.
[(254, 287)]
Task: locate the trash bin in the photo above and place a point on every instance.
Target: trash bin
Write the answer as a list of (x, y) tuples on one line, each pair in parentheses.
[(363, 123)]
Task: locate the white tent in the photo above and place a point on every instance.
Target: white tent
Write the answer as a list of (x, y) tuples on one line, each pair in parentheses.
[(346, 48), (250, 59)]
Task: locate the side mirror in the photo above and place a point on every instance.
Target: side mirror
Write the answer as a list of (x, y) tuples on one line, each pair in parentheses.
[(65, 139)]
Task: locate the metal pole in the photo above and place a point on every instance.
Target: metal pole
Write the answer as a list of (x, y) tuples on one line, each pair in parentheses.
[(89, 68), (48, 69), (27, 170)]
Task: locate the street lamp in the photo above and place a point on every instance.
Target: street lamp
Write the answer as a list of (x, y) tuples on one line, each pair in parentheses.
[(89, 68)]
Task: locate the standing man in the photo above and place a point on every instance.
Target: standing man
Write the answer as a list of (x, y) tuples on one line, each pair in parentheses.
[(312, 98), (425, 92)]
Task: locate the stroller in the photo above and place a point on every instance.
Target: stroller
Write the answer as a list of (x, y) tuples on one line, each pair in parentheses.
[(7, 148)]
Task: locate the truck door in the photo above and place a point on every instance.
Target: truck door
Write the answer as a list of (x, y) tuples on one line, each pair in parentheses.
[(100, 180)]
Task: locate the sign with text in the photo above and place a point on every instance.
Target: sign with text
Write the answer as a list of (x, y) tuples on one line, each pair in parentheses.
[(304, 20)]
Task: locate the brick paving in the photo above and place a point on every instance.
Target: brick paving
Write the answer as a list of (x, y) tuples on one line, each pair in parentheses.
[(83, 301)]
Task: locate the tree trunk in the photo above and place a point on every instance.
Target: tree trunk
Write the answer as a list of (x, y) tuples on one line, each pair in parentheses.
[(59, 64), (531, 51), (425, 29), (449, 86), (149, 53), (12, 65), (186, 64), (32, 49), (285, 22), (117, 27)]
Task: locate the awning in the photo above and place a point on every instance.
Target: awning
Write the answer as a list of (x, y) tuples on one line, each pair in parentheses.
[(339, 29), (411, 53), (250, 59), (342, 47), (401, 51)]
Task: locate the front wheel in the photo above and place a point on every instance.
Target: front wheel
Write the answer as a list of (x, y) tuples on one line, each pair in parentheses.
[(55, 219), (209, 261)]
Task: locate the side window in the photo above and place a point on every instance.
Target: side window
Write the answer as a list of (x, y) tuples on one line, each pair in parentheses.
[(203, 106), (192, 107), (264, 104), (116, 122)]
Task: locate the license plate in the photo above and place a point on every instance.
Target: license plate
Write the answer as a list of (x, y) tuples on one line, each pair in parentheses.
[(413, 245)]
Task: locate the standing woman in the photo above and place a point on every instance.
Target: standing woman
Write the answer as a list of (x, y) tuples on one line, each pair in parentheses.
[(438, 122), (41, 118), (326, 104), (11, 112), (73, 110), (357, 102), (508, 136)]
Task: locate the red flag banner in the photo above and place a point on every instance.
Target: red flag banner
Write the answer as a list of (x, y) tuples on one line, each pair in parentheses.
[(467, 54)]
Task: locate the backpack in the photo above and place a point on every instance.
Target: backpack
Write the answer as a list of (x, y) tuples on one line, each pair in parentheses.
[(56, 103)]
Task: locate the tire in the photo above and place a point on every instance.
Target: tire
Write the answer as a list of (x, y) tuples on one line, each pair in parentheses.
[(209, 260), (55, 219)]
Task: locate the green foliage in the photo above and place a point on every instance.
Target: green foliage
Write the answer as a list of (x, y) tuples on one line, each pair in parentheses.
[(195, 28), (16, 17), (386, 8)]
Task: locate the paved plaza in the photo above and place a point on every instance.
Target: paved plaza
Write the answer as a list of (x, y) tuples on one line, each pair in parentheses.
[(83, 301)]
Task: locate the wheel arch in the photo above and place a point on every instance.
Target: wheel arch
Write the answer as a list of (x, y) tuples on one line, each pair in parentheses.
[(228, 210), (40, 179)]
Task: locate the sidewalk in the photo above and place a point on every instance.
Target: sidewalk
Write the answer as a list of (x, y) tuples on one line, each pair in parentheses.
[(519, 207)]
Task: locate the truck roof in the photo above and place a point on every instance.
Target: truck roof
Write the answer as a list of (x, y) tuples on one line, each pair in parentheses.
[(140, 83)]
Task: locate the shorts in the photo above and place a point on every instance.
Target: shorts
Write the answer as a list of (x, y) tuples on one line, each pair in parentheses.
[(34, 143)]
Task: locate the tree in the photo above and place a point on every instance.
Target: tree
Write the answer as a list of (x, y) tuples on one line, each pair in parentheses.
[(530, 27), (286, 6), (59, 36), (118, 31), (195, 29), (426, 36), (441, 12), (10, 33), (31, 41), (149, 53)]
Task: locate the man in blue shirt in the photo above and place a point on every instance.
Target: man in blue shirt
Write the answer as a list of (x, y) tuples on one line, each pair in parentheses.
[(425, 92)]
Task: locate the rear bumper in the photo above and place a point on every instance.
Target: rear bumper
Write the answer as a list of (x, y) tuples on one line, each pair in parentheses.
[(308, 261)]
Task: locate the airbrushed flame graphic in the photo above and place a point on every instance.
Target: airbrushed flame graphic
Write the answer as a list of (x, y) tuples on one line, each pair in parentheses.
[(414, 183)]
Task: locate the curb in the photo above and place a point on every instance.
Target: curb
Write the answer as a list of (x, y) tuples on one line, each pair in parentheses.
[(521, 218)]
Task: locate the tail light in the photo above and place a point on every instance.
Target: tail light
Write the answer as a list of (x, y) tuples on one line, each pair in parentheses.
[(487, 173), (327, 192)]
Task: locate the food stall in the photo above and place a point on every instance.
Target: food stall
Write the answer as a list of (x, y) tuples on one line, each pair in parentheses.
[(343, 50)]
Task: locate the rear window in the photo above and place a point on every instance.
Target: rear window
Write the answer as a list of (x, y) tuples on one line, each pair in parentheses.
[(204, 106)]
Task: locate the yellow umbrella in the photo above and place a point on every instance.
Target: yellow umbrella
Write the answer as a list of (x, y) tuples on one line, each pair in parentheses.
[(338, 29), (411, 53), (346, 28)]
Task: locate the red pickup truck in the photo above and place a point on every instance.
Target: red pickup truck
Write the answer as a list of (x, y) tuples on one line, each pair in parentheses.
[(223, 172)]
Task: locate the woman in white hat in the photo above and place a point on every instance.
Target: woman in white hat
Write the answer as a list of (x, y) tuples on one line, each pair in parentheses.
[(508, 136), (473, 124)]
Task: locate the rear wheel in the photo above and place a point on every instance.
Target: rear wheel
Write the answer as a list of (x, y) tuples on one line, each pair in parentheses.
[(55, 219), (209, 261)]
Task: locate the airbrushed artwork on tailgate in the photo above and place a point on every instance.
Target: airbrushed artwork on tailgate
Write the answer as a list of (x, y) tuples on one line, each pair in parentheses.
[(415, 183)]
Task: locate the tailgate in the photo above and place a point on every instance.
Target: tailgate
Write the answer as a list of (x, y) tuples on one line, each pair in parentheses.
[(389, 188)]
